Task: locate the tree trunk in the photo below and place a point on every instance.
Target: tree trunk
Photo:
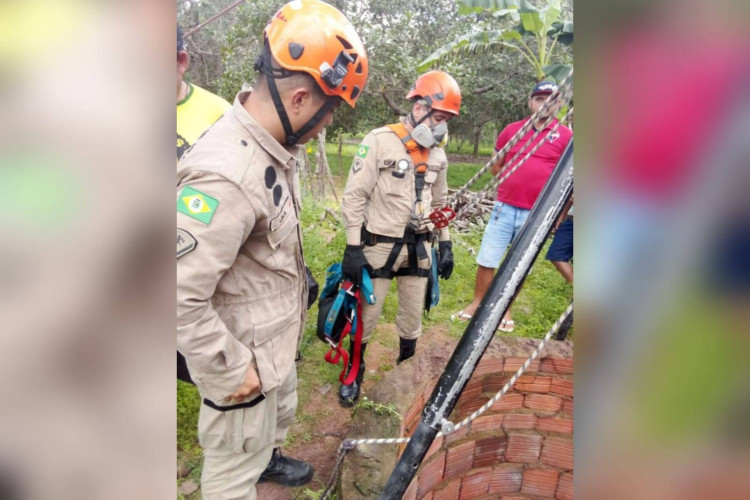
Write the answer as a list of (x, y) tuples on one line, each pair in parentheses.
[(341, 148), (477, 137), (319, 189), (303, 169), (323, 171)]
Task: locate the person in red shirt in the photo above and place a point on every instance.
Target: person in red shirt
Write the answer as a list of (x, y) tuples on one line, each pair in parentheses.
[(518, 193)]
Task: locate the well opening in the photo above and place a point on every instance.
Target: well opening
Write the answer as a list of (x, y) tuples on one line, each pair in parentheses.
[(522, 447)]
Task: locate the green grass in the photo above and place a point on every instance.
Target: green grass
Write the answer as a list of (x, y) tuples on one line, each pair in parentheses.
[(544, 297), (456, 172), (459, 173), (467, 148)]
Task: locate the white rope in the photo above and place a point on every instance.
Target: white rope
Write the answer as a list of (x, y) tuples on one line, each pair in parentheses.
[(516, 376), (563, 89), (448, 426), (503, 175)]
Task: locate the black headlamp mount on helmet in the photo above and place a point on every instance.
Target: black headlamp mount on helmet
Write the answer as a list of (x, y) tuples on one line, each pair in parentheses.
[(333, 76)]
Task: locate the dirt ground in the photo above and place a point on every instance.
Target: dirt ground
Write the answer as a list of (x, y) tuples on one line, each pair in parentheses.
[(331, 421)]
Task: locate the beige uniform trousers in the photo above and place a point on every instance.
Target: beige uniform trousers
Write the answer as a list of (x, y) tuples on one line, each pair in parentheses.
[(237, 444), (411, 292)]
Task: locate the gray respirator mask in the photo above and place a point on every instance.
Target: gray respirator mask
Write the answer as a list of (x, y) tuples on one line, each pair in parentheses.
[(429, 137)]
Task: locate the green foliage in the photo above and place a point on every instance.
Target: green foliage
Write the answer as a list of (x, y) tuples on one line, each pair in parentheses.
[(188, 404), (525, 29), (398, 34), (379, 408)]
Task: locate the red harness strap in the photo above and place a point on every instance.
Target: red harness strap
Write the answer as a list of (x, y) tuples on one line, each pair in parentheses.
[(335, 354)]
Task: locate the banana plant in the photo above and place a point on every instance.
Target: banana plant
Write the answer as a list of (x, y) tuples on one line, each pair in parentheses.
[(535, 34)]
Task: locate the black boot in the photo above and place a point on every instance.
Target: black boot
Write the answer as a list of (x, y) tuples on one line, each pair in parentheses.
[(286, 471), (406, 349), (349, 394)]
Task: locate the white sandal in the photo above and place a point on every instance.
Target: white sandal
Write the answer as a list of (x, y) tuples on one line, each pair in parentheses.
[(507, 326), (460, 316)]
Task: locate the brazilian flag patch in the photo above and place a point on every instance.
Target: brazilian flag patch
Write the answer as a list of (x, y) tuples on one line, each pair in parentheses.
[(362, 151), (197, 205)]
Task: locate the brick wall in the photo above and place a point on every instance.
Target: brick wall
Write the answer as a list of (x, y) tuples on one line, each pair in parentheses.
[(522, 447)]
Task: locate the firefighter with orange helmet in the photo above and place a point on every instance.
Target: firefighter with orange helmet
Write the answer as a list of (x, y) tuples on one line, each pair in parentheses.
[(397, 178), (241, 281)]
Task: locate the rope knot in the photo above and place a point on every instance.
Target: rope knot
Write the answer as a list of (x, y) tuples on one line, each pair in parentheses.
[(447, 426)]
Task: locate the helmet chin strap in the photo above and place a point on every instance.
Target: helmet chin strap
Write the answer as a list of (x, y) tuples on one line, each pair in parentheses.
[(263, 64), (414, 123)]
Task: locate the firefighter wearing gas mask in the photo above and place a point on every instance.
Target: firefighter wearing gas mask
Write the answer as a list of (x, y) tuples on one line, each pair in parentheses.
[(397, 179)]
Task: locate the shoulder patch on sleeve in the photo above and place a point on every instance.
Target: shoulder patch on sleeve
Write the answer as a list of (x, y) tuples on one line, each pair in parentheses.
[(186, 242), (197, 205), (357, 165)]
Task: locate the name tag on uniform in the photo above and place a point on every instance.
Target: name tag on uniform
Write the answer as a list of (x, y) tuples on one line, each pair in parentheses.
[(286, 208)]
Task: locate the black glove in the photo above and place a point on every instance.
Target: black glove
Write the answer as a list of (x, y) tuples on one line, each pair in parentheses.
[(312, 288), (445, 259), (353, 262)]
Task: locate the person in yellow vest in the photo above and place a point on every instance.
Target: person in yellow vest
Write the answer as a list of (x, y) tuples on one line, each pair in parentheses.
[(397, 178), (197, 109), (242, 289)]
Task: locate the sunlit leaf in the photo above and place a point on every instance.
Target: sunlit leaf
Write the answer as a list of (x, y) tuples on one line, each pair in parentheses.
[(530, 17), (557, 71)]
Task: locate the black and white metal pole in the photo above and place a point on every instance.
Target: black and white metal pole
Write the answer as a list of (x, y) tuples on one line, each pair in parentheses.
[(483, 324)]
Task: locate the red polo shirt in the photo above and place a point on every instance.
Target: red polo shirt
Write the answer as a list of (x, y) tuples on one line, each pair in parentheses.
[(523, 186)]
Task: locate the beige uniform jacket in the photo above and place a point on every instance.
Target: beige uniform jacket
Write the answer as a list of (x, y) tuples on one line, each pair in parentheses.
[(383, 201), (242, 289)]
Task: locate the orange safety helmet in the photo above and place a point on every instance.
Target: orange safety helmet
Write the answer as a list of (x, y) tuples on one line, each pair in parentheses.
[(315, 37), (440, 91)]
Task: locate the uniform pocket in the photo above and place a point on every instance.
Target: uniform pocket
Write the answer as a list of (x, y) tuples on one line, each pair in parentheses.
[(220, 430), (277, 319), (430, 177), (244, 427), (282, 230), (258, 424)]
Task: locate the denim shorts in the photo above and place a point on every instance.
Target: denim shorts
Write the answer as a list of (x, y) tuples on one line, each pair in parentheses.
[(561, 249), (504, 224)]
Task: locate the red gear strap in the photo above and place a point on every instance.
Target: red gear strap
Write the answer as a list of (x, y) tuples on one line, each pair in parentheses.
[(335, 354)]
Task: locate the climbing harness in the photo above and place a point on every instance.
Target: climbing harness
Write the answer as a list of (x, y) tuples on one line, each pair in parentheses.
[(416, 251), (413, 240), (340, 315), (448, 427), (419, 156)]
